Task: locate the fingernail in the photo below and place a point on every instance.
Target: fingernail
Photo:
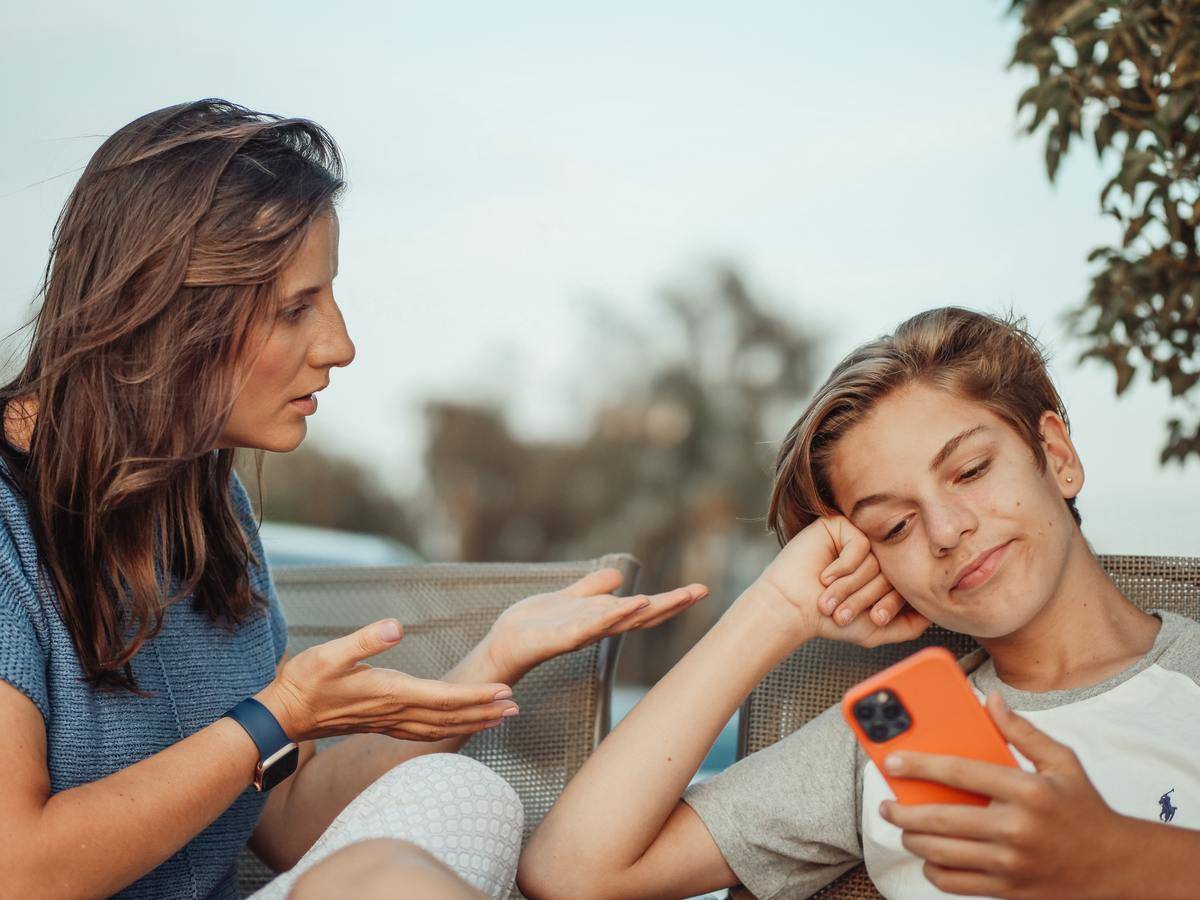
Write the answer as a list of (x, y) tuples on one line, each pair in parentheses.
[(503, 695), (511, 711), (893, 763), (389, 631), (885, 808), (881, 616), (844, 616), (827, 603)]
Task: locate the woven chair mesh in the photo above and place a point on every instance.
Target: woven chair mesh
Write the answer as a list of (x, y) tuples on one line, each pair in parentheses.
[(817, 675), (446, 609)]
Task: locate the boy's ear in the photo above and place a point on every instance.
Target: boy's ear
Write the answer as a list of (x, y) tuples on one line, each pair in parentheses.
[(1061, 459)]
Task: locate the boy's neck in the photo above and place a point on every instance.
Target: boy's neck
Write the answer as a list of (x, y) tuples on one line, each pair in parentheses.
[(1087, 632)]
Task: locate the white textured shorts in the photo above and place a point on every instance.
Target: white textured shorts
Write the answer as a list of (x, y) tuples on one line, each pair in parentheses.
[(452, 806)]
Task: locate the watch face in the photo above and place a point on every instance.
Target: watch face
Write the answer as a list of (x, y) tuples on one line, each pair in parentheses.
[(281, 768)]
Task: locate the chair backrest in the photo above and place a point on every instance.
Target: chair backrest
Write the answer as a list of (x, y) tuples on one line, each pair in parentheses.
[(447, 608), (817, 675)]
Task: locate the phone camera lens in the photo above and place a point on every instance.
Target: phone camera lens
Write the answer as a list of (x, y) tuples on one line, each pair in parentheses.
[(878, 732), (864, 711), (892, 711)]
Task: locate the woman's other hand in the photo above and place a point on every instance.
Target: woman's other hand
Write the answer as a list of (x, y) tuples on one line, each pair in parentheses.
[(829, 575), (329, 690), (541, 627)]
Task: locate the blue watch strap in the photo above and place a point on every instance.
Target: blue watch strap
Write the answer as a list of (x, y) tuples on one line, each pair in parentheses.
[(261, 725)]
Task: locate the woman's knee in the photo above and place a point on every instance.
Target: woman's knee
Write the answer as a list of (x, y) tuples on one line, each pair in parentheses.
[(459, 787), (382, 869)]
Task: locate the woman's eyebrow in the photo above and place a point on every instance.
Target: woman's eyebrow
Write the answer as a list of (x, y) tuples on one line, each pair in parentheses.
[(942, 455)]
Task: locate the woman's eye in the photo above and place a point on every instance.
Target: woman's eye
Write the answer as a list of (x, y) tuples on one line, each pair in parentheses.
[(971, 474), (895, 532), (293, 314)]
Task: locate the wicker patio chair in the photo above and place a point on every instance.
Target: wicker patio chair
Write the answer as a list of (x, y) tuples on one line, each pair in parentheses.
[(446, 609), (817, 675)]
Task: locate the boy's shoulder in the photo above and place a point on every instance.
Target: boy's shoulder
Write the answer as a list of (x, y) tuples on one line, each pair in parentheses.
[(1179, 644)]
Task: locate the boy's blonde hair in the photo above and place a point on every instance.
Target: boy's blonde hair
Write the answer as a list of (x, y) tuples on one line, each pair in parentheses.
[(993, 361)]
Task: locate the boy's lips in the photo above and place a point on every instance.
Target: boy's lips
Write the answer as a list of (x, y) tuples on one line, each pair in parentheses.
[(980, 569)]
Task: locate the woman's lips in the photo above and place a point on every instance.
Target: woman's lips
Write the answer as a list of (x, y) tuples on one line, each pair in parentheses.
[(985, 570), (306, 405)]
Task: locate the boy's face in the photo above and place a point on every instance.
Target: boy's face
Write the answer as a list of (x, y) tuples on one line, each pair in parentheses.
[(962, 521)]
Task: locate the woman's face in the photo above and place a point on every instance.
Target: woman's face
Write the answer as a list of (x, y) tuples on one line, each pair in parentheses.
[(962, 521), (307, 339)]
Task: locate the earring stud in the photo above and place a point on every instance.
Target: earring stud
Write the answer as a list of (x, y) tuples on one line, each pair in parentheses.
[(1069, 479)]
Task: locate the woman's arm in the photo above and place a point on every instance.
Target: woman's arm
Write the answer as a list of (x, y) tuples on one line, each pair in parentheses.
[(528, 633), (93, 840), (97, 838), (300, 809)]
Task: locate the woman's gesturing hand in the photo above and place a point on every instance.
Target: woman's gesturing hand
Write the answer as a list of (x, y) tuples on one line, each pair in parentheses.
[(829, 574), (329, 690), (541, 627)]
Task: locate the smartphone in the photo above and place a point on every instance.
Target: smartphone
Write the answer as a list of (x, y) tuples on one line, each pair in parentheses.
[(924, 703)]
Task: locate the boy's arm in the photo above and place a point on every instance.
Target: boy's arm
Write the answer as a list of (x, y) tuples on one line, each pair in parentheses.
[(619, 829)]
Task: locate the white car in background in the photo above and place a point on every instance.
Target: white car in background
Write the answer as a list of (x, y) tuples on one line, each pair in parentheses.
[(288, 544)]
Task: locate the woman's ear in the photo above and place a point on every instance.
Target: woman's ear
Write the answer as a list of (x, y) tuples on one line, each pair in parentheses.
[(1062, 462)]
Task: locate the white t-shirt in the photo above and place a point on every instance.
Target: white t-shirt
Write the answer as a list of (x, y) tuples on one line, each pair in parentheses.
[(796, 815)]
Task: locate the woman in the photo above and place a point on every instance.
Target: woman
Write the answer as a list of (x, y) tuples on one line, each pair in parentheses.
[(188, 311), (935, 469)]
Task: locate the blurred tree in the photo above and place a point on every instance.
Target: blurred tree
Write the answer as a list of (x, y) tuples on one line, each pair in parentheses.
[(1128, 71), (310, 486), (675, 466)]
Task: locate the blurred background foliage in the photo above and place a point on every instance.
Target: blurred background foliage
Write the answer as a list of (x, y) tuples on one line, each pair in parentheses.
[(1128, 74), (675, 465), (683, 404)]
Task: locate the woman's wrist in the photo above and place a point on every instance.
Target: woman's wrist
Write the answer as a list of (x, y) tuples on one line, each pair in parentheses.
[(272, 697)]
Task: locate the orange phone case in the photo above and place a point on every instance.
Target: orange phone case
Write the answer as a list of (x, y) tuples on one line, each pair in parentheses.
[(945, 717)]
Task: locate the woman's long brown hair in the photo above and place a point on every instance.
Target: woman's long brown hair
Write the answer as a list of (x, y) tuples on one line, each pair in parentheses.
[(159, 290)]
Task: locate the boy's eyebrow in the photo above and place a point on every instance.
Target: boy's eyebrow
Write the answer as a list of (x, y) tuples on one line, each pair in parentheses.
[(942, 455)]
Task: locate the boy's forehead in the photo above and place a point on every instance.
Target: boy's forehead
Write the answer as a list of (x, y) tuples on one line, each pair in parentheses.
[(895, 443)]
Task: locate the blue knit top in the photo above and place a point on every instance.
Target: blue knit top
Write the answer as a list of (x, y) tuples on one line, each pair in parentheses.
[(196, 670)]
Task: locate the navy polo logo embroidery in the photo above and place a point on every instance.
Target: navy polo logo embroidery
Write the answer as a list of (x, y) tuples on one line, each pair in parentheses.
[(1168, 811)]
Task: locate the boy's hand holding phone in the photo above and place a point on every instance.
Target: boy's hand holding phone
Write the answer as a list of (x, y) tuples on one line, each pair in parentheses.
[(831, 560), (1044, 834)]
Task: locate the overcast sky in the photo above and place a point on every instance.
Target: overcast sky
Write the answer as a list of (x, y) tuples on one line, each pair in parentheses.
[(507, 162)]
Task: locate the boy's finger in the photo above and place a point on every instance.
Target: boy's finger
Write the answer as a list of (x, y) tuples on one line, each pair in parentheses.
[(845, 586)]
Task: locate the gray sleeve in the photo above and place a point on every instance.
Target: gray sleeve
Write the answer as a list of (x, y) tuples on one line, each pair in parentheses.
[(786, 818)]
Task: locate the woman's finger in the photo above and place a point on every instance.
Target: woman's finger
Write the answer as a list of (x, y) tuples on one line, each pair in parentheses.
[(432, 694), (862, 599), (419, 731), (457, 717), (653, 617), (602, 581)]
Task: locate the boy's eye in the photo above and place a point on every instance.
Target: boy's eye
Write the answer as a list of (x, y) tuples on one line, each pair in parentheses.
[(976, 471), (895, 532)]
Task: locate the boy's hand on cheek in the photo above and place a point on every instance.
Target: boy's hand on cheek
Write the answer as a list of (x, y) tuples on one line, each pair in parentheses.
[(1045, 834), (828, 573)]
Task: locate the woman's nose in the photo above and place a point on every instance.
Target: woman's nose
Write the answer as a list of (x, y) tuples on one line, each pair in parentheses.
[(333, 347)]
